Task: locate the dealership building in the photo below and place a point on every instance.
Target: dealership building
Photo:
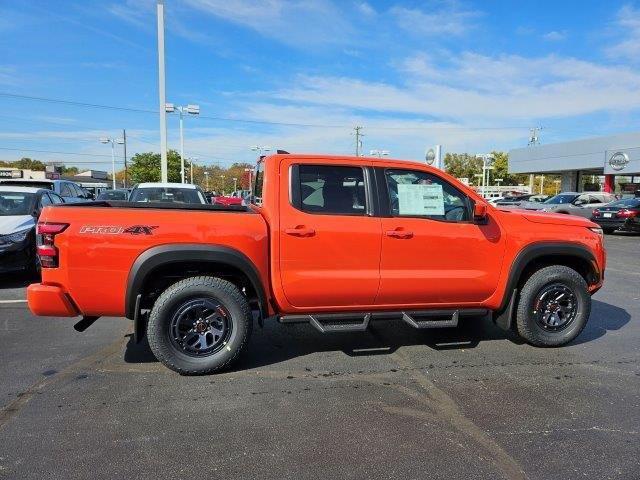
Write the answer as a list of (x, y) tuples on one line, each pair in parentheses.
[(616, 158)]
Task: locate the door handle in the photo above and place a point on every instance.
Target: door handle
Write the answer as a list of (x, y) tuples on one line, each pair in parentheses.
[(300, 232), (399, 234)]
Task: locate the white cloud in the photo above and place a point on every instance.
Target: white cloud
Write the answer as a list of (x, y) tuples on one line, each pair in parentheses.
[(450, 20), (555, 36), (298, 23), (481, 88), (626, 26)]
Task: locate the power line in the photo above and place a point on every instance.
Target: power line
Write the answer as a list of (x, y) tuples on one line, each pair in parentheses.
[(261, 122), (53, 151)]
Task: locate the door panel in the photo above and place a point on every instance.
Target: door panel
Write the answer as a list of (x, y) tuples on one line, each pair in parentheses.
[(330, 253), (439, 257)]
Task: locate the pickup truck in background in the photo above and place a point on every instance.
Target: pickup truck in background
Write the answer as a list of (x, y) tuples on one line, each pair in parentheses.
[(337, 242)]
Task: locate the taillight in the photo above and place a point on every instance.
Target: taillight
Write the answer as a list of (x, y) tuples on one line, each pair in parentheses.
[(596, 212), (45, 237), (626, 213)]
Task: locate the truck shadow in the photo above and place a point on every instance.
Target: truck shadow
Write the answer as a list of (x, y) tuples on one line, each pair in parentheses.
[(604, 318), (277, 343)]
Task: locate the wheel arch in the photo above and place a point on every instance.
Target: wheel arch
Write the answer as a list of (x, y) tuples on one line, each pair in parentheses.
[(211, 259), (539, 255)]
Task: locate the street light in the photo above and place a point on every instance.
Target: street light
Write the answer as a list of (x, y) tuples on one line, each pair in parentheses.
[(112, 141), (541, 184), (261, 149), (378, 153), (191, 160), (190, 109), (206, 179), (235, 184), (222, 177), (557, 182), (487, 158)]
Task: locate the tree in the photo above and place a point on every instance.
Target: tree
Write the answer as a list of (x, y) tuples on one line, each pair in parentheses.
[(145, 167), (462, 165), (25, 163)]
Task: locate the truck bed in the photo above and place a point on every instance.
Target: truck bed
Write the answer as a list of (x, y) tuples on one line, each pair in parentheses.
[(104, 239)]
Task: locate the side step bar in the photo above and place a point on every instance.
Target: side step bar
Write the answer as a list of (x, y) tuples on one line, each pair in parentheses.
[(359, 322)]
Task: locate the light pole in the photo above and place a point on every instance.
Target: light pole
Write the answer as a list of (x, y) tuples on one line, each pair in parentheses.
[(190, 109), (261, 149), (541, 184), (162, 94), (378, 153), (486, 160), (557, 182), (206, 179), (112, 141), (222, 177), (235, 184), (191, 160)]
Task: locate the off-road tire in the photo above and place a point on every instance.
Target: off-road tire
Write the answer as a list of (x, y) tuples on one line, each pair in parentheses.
[(181, 292), (529, 329)]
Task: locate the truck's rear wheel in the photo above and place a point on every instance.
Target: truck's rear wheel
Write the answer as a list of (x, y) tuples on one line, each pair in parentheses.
[(554, 307), (199, 325)]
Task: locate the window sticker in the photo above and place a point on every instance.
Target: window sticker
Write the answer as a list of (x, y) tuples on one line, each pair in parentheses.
[(419, 199)]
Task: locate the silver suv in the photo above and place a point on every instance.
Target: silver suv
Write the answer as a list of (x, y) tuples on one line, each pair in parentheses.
[(574, 203)]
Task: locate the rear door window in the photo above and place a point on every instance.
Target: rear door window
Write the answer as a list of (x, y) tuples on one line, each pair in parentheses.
[(332, 189)]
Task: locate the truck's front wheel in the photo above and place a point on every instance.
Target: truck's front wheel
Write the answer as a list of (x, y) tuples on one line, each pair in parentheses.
[(199, 325), (554, 307)]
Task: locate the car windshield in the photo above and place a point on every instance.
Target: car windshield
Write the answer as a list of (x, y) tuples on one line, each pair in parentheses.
[(626, 203), (16, 203), (560, 199), (113, 195), (167, 195)]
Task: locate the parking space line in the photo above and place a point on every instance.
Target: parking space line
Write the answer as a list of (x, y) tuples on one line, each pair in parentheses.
[(13, 301)]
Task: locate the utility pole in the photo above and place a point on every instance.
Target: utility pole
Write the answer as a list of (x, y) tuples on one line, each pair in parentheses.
[(358, 141), (534, 138), (162, 95), (124, 138)]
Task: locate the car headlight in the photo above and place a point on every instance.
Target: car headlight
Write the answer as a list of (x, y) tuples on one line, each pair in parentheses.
[(15, 237)]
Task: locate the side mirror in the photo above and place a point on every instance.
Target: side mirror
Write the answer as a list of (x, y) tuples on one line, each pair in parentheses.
[(480, 216)]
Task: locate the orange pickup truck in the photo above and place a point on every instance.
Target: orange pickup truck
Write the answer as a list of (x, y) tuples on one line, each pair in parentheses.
[(337, 242)]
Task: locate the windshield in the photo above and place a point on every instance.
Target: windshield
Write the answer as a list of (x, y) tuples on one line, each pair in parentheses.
[(113, 195), (626, 203), (167, 195), (16, 203), (560, 199)]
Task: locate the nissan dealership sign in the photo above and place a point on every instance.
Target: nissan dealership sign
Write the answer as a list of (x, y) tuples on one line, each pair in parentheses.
[(618, 161)]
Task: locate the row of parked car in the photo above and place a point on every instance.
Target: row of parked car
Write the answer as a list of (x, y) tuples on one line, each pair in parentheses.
[(21, 202), (605, 209), (172, 193)]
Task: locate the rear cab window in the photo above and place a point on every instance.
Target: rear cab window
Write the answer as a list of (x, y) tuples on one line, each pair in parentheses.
[(258, 184)]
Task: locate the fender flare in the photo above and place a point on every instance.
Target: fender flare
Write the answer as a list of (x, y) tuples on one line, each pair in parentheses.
[(167, 254), (503, 316)]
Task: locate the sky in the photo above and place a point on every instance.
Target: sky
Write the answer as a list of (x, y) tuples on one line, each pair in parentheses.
[(300, 74)]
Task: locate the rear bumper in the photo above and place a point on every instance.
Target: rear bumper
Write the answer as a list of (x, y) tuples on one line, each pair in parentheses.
[(609, 223), (50, 301)]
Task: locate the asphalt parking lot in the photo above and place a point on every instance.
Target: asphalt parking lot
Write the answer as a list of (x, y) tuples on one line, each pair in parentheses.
[(471, 402)]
